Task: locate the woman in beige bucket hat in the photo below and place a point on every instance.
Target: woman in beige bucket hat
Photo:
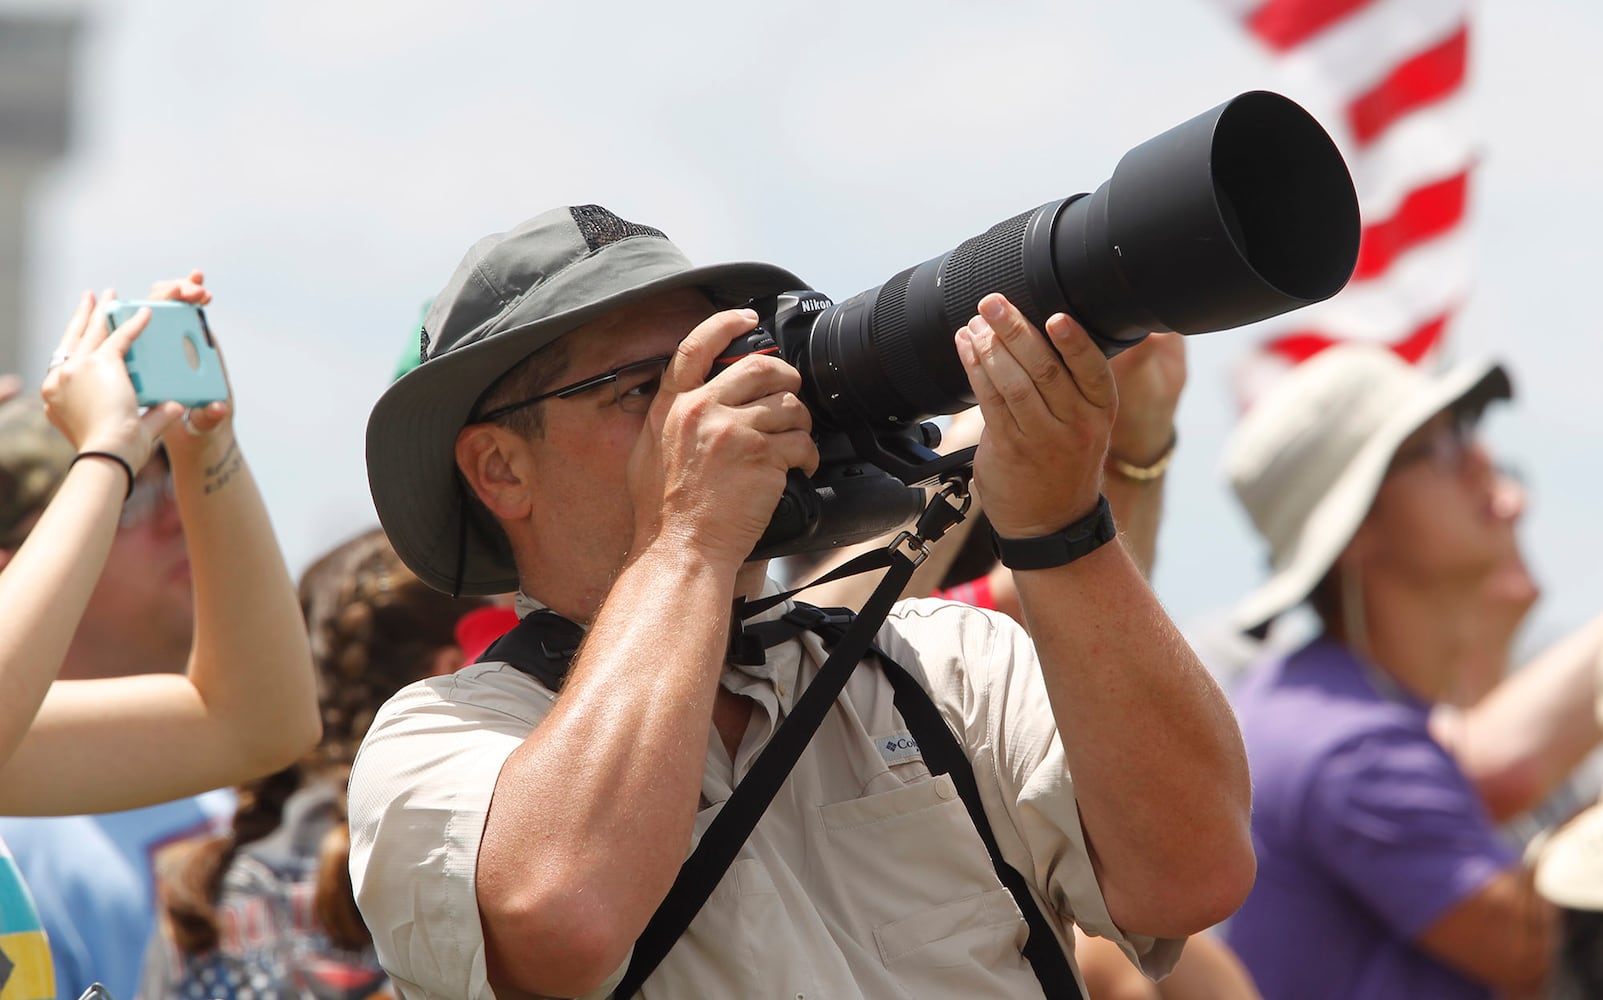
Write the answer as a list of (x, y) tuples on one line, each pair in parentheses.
[(1381, 872)]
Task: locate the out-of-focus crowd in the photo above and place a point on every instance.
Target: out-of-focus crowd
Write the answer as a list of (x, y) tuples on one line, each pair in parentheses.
[(180, 721)]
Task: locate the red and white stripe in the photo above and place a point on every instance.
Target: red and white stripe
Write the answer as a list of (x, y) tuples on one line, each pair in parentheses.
[(1387, 79)]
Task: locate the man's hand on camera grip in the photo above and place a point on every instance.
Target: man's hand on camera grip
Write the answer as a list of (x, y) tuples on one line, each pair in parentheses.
[(713, 456)]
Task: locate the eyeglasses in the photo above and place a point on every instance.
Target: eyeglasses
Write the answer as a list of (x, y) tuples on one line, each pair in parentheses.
[(1447, 448), (634, 386), (147, 497)]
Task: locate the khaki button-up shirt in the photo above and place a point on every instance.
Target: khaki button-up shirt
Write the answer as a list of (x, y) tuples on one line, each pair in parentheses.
[(865, 877)]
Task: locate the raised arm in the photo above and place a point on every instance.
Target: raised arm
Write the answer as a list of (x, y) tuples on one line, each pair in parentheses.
[(45, 585), (1522, 739), (1149, 377), (1160, 773), (247, 705)]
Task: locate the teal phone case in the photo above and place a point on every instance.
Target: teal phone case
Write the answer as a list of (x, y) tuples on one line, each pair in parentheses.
[(173, 358)]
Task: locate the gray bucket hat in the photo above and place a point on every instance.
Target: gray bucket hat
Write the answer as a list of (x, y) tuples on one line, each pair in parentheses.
[(513, 294), (1308, 458)]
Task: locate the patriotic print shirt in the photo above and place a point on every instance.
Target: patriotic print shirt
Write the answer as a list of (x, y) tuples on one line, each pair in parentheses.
[(25, 969)]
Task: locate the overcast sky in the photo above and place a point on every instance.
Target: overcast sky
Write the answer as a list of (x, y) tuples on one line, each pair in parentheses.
[(327, 164)]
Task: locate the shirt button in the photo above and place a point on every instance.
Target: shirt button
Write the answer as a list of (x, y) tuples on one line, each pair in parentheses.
[(944, 788)]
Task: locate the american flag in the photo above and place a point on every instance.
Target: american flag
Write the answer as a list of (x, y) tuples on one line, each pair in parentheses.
[(1387, 79)]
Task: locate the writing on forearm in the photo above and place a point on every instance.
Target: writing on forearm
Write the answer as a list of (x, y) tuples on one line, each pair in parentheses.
[(224, 469)]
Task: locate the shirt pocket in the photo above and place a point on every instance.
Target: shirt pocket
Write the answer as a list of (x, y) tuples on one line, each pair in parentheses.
[(919, 879), (978, 940)]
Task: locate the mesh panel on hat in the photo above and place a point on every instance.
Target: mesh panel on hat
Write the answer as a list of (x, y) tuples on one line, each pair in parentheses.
[(600, 227)]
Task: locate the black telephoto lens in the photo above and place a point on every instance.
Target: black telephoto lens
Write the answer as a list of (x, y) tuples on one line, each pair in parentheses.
[(1242, 213)]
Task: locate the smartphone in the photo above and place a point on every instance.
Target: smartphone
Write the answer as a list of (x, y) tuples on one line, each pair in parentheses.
[(174, 357)]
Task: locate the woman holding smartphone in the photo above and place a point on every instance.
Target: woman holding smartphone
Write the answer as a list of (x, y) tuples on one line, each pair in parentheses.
[(247, 704)]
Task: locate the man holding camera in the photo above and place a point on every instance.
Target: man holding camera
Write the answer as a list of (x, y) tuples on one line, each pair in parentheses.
[(563, 438)]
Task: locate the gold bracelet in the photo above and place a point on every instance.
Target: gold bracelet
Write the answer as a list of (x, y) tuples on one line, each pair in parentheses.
[(1145, 473)]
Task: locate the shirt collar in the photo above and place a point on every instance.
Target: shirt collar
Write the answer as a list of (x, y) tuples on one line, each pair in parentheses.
[(779, 670)]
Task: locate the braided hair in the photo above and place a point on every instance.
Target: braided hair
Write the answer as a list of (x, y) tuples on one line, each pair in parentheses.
[(374, 628)]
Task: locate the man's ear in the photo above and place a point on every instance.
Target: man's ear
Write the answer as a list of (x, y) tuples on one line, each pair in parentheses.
[(490, 459)]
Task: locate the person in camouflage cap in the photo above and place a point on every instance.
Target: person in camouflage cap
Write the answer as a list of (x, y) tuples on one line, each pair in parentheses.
[(33, 460)]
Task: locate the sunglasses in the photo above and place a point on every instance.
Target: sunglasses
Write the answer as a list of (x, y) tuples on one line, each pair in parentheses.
[(1446, 449)]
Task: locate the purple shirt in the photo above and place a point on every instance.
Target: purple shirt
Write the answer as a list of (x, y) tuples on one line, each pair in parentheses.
[(1366, 831)]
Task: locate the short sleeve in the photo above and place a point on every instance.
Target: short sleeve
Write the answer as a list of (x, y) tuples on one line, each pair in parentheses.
[(1391, 817), (419, 795)]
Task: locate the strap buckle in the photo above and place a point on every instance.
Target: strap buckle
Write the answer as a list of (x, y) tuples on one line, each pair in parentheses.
[(947, 507), (914, 544)]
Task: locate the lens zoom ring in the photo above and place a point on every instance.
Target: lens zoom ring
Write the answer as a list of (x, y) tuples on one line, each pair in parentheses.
[(990, 262), (894, 349)]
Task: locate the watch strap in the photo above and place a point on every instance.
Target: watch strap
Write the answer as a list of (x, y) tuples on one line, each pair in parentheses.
[(1060, 548)]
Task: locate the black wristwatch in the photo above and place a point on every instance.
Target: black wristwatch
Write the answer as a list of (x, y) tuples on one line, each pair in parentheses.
[(1060, 548)]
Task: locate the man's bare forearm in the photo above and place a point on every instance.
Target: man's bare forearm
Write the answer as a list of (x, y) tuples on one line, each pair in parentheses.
[(592, 816), (1159, 769)]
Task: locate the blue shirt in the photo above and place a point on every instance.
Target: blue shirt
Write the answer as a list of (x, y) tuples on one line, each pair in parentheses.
[(94, 886)]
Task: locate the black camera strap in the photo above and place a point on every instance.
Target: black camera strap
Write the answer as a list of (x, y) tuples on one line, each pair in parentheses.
[(543, 644), (716, 849)]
